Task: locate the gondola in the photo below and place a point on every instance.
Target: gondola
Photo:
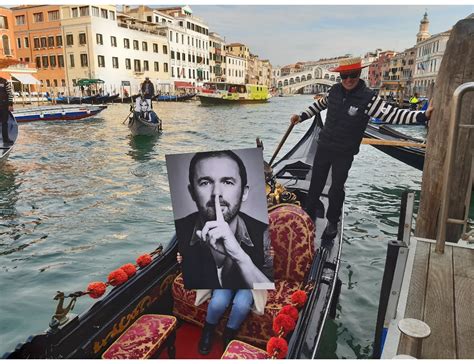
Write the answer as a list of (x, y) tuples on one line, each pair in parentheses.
[(74, 100), (413, 156), (155, 288), (58, 112), (174, 97), (5, 148), (148, 123)]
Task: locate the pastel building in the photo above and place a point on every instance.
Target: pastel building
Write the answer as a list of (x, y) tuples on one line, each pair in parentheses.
[(217, 58), (100, 43), (236, 68)]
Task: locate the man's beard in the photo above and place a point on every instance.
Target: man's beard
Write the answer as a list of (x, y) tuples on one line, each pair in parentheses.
[(208, 213)]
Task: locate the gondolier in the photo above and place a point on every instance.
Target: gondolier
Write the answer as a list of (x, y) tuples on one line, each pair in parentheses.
[(349, 106), (6, 105), (148, 91)]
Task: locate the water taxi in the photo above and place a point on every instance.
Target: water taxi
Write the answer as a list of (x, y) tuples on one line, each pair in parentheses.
[(231, 93)]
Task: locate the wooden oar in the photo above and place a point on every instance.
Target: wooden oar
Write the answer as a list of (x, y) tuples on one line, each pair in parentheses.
[(283, 140), (392, 143)]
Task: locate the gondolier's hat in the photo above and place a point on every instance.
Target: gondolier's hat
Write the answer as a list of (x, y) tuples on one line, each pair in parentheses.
[(349, 64)]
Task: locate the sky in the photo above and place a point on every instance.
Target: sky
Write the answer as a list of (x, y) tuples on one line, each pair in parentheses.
[(286, 34)]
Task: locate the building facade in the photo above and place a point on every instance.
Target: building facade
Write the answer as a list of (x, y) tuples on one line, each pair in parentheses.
[(236, 68), (217, 58)]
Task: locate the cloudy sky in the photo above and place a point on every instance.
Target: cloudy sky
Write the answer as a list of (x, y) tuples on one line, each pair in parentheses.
[(290, 33)]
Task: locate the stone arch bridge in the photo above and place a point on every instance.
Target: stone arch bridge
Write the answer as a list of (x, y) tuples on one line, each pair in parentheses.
[(296, 82)]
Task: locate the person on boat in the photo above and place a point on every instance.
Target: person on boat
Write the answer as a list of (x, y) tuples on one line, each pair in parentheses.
[(349, 104), (222, 247), (6, 106), (414, 101), (148, 91), (243, 301)]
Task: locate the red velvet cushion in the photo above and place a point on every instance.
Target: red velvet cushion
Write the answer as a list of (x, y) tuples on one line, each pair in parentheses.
[(142, 339), (240, 350)]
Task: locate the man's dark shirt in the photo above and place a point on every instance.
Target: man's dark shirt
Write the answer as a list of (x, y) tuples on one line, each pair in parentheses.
[(199, 267)]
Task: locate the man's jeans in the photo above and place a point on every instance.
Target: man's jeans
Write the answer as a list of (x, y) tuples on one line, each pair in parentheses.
[(221, 299)]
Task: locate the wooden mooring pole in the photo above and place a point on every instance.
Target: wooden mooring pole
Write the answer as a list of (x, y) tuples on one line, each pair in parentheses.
[(456, 68)]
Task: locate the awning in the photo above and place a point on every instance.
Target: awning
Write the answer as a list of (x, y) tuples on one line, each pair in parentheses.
[(88, 81), (181, 84), (26, 78)]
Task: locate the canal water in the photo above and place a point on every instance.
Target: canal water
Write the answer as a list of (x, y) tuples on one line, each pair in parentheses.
[(79, 199)]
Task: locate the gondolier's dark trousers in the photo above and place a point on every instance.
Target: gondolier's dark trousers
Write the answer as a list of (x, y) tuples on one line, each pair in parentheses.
[(4, 121), (341, 164)]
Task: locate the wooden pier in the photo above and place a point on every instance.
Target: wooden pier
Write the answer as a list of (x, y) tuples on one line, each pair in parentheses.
[(441, 294)]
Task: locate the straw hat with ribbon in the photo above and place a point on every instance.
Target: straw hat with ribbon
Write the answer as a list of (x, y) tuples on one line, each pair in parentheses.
[(349, 65)]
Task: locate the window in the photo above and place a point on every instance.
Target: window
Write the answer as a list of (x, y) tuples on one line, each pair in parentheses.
[(38, 62), (69, 40), (144, 46), (38, 17), (71, 60), (171, 36), (135, 44), (99, 39), (53, 15), (145, 66), (136, 65), (45, 61), (52, 61), (59, 41), (126, 43), (19, 20), (84, 61), (165, 67), (183, 56), (172, 54), (51, 41), (178, 56), (63, 83), (172, 71), (104, 13), (43, 42), (128, 64), (115, 62), (113, 41), (155, 48), (36, 43), (82, 38), (75, 12), (48, 83), (157, 67), (18, 42), (112, 15), (95, 11), (27, 59), (101, 61), (84, 10), (55, 82), (60, 60), (165, 49), (27, 42)]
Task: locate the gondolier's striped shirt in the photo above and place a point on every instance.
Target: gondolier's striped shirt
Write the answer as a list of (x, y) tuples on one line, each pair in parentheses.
[(8, 90), (376, 108)]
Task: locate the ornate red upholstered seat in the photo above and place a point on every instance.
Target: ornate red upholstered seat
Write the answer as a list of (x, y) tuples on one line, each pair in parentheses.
[(144, 338), (240, 350), (292, 234)]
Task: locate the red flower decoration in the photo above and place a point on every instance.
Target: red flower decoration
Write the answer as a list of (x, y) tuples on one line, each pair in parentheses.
[(283, 322), (130, 269), (278, 345), (299, 298), (117, 277), (290, 311), (144, 260), (96, 289)]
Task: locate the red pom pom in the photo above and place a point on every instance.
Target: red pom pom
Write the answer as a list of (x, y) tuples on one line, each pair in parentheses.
[(144, 260), (96, 289), (290, 311), (130, 269), (299, 298), (278, 345), (117, 277), (283, 322)]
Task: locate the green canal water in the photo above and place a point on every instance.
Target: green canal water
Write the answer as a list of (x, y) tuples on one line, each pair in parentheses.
[(79, 199)]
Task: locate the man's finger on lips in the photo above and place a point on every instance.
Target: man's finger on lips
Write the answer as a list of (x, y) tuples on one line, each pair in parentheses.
[(207, 227), (217, 205)]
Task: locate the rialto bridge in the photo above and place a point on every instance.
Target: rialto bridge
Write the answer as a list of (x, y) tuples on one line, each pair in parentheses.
[(319, 78)]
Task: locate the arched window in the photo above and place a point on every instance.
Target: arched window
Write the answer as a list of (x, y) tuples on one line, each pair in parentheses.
[(285, 83), (333, 78), (303, 78), (297, 79), (279, 84), (292, 81), (6, 45), (326, 76)]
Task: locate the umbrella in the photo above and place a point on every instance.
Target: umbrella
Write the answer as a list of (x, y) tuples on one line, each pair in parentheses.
[(88, 81)]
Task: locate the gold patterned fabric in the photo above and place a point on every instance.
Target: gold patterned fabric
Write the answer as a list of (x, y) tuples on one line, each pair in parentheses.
[(240, 350), (143, 338), (292, 234)]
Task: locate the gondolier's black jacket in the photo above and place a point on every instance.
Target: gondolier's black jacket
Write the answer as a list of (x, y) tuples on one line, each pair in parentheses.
[(348, 113), (198, 266)]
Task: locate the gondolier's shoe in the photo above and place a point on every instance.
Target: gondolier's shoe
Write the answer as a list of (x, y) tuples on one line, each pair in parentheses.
[(331, 231), (228, 335), (205, 343)]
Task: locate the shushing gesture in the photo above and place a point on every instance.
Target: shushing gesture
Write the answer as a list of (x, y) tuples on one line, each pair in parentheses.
[(220, 237)]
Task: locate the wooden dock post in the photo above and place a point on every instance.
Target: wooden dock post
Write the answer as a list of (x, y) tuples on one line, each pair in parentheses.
[(456, 68)]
